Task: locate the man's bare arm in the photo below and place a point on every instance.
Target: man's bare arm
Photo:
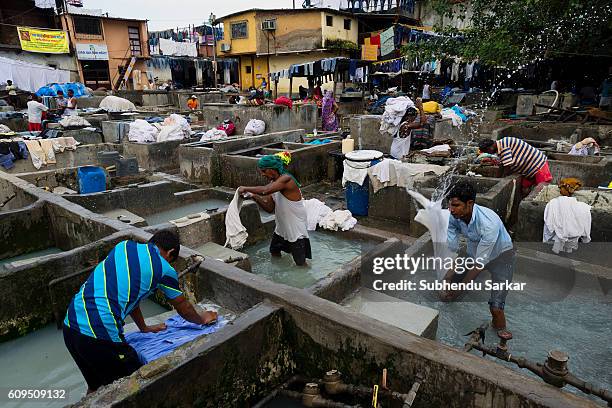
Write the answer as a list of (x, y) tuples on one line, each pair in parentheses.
[(188, 311)]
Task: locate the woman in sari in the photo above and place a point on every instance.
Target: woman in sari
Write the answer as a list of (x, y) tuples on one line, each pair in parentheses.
[(328, 114)]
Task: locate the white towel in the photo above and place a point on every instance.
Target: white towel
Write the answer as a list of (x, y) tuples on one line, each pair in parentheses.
[(316, 210), (235, 233), (566, 220), (395, 109)]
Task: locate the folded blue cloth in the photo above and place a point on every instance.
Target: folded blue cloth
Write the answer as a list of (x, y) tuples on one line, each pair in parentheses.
[(151, 346)]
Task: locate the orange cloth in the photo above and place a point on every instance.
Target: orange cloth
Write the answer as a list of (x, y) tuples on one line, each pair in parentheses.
[(192, 104)]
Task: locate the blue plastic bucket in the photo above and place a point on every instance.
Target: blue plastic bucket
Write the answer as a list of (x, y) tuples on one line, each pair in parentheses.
[(358, 196), (91, 179)]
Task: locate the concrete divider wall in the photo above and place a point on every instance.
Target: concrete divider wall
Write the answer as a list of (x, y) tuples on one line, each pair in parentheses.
[(141, 199), (310, 164), (544, 131), (13, 198), (395, 204), (199, 162), (158, 156), (276, 117), (145, 98), (25, 230), (85, 155), (592, 171)]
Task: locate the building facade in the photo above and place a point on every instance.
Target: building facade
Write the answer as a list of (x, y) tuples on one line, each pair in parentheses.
[(272, 40), (105, 48)]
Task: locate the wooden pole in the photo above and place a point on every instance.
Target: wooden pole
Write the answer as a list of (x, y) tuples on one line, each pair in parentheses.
[(290, 87)]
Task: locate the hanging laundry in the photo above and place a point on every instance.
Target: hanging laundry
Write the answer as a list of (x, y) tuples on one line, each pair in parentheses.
[(235, 233)]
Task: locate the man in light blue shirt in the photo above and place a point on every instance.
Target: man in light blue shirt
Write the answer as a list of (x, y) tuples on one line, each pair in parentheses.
[(488, 243)]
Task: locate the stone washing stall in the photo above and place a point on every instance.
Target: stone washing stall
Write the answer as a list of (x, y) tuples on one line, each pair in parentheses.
[(309, 163), (279, 332), (84, 155), (157, 156), (276, 117), (593, 171), (396, 205), (365, 129), (539, 133), (199, 161), (283, 331), (530, 226)]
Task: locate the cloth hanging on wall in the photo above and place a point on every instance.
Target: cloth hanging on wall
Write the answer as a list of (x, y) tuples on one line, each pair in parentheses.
[(31, 77), (186, 49)]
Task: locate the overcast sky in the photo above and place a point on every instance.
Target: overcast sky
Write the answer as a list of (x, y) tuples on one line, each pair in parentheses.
[(164, 14)]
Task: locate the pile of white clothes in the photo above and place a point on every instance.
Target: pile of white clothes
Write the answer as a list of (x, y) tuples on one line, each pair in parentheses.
[(566, 221), (448, 113), (142, 131), (213, 134), (255, 127), (115, 104), (320, 214), (73, 121), (174, 127), (338, 220), (437, 149), (390, 172), (395, 109), (235, 233), (5, 129)]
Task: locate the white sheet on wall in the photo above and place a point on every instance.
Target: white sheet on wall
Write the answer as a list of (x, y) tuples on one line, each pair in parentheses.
[(30, 77)]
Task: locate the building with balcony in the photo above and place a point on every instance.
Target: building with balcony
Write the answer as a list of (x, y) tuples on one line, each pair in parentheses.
[(272, 40)]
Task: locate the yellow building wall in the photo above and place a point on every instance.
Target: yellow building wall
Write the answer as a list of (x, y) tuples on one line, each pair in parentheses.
[(280, 62), (246, 45), (337, 31)]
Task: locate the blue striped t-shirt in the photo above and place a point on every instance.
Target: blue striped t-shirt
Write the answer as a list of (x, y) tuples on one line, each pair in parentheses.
[(523, 157), (130, 273)]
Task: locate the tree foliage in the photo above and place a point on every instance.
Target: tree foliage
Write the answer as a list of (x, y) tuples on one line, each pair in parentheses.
[(514, 32)]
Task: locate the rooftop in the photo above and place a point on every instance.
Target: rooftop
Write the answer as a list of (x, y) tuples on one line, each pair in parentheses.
[(281, 10)]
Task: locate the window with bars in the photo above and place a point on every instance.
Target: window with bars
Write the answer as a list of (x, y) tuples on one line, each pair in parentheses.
[(239, 30), (134, 37), (87, 25)]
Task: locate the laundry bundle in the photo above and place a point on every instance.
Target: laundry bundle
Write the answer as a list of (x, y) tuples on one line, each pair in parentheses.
[(487, 159), (213, 134), (5, 129), (320, 214), (255, 127), (115, 104), (174, 127), (142, 131), (73, 121), (395, 109)]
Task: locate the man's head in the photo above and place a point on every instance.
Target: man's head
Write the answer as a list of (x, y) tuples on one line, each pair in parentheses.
[(70, 93), (461, 201), (60, 94), (194, 97), (410, 115), (488, 146), (271, 167), (9, 82), (168, 244)]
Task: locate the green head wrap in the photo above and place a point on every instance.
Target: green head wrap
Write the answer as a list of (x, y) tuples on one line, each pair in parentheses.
[(274, 162)]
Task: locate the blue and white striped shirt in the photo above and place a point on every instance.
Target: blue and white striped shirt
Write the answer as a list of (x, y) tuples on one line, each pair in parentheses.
[(524, 158), (131, 272)]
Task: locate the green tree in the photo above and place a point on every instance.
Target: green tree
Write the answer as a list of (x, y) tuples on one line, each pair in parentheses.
[(514, 32)]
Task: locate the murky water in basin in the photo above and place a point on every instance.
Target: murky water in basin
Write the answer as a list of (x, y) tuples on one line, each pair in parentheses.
[(579, 323), (31, 255), (40, 360), (329, 252), (179, 212)]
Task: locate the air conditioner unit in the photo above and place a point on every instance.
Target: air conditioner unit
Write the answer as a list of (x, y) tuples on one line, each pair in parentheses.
[(226, 47), (268, 25)]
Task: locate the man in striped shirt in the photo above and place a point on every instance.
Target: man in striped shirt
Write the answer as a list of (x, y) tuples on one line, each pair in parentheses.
[(93, 327), (518, 156)]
